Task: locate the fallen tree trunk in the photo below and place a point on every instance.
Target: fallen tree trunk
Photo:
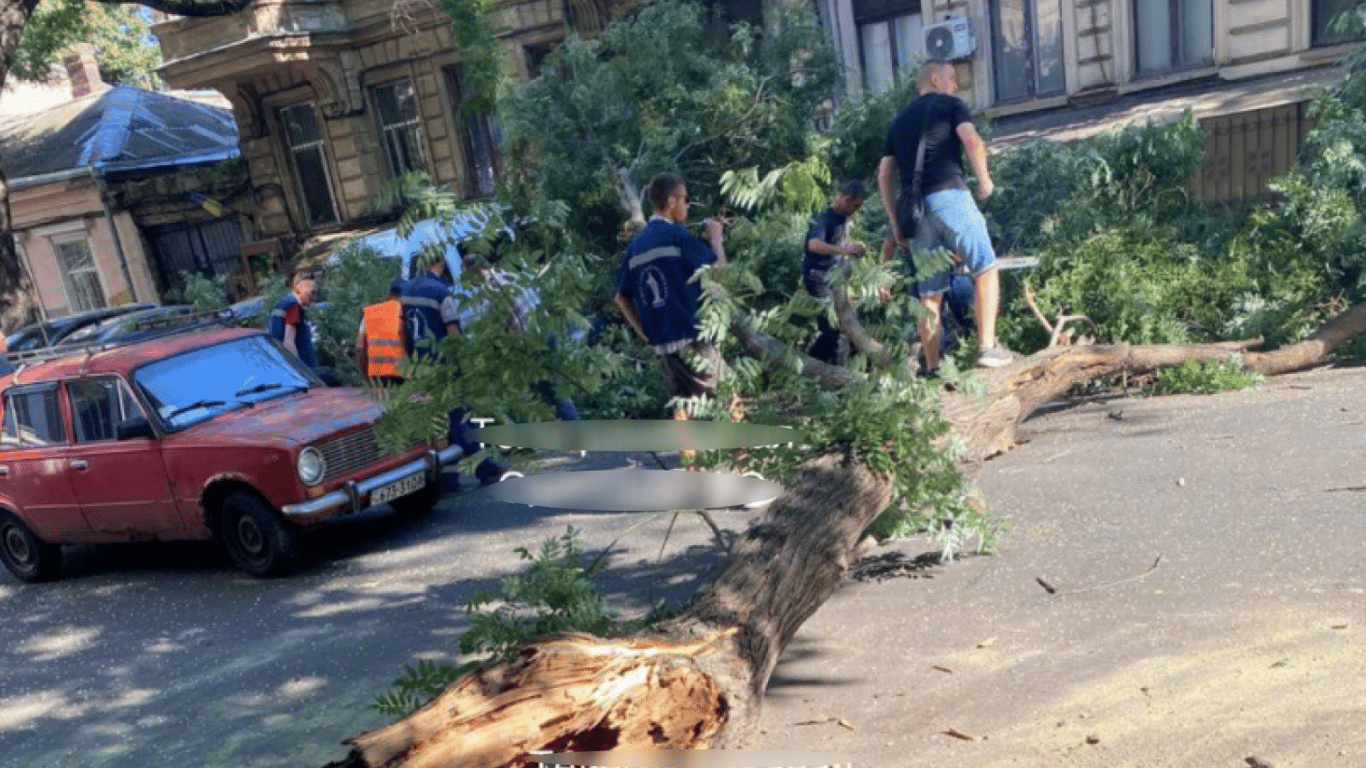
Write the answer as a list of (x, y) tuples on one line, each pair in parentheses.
[(697, 681), (694, 681)]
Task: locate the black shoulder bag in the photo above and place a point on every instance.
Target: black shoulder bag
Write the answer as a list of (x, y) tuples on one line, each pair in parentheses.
[(910, 204)]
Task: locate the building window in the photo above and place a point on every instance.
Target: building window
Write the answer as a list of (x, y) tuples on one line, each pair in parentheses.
[(1026, 48), (80, 278), (483, 141), (399, 126), (304, 143), (892, 46), (1172, 34), (1324, 12)]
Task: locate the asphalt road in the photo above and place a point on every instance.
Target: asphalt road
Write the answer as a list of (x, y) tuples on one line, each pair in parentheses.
[(163, 656)]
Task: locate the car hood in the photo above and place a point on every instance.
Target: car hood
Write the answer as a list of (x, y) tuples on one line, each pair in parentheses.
[(290, 420)]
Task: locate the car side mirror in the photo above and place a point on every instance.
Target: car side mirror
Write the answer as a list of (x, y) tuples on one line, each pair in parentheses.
[(132, 428)]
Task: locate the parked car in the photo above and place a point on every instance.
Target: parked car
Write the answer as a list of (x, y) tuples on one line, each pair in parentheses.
[(216, 434), (50, 332), (127, 327)]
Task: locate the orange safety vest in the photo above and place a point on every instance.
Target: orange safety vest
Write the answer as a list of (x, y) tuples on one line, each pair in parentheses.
[(384, 339)]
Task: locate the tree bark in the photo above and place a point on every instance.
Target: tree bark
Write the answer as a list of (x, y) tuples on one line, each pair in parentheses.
[(695, 681)]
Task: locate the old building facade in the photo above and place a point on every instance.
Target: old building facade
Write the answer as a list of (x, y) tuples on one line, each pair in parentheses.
[(334, 98), (1069, 68)]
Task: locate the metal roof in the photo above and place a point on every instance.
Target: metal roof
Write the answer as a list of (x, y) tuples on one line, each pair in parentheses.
[(118, 130)]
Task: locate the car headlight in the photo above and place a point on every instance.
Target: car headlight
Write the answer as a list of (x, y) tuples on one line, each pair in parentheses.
[(311, 466)]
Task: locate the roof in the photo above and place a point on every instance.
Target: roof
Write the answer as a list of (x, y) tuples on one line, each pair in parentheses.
[(125, 357), (1206, 98), (121, 129)]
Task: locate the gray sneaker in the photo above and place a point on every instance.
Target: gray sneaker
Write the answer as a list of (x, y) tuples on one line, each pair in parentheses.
[(994, 357)]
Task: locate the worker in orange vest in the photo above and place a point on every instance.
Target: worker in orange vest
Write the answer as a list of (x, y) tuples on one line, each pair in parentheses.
[(379, 342)]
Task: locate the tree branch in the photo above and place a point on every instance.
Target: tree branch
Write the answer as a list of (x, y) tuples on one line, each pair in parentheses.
[(191, 8)]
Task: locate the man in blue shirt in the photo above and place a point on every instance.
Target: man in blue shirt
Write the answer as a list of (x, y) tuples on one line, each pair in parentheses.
[(657, 297), (827, 243), (430, 315), (287, 322)]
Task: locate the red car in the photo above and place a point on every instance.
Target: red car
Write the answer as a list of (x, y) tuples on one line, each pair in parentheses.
[(217, 434)]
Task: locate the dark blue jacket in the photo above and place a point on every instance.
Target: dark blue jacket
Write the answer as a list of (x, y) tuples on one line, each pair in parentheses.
[(422, 300), (303, 337), (655, 275)]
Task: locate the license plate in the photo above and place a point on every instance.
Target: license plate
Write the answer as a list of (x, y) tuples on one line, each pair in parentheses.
[(398, 489)]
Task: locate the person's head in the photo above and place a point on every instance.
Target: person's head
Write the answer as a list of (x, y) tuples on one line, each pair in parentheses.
[(669, 197), (431, 257), (850, 198), (938, 77), (305, 287), (396, 287)]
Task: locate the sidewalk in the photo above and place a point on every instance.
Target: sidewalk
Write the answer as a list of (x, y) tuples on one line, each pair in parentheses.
[(1246, 639)]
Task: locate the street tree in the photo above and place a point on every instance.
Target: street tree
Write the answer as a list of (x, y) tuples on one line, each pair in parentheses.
[(876, 438)]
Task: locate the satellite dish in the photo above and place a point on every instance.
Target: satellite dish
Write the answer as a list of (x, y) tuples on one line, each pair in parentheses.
[(939, 43)]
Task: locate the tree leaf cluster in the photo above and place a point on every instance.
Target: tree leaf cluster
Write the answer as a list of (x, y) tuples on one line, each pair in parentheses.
[(121, 34), (556, 593)]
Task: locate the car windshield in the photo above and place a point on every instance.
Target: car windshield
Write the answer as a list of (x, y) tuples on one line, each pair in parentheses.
[(196, 386)]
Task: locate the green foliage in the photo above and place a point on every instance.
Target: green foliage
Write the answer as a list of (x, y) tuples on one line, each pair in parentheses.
[(121, 34), (204, 293), (858, 135), (483, 59), (357, 276), (1034, 180), (556, 594), (1207, 377), (662, 90)]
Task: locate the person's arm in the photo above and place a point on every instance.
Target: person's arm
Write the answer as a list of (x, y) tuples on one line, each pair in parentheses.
[(362, 343), (450, 315), (628, 311), (291, 331), (886, 187), (817, 245), (716, 237), (977, 155)]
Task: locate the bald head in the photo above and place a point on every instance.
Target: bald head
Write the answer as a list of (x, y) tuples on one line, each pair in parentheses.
[(937, 77)]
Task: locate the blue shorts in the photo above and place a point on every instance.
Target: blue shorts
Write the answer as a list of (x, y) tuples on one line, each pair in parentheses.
[(952, 223)]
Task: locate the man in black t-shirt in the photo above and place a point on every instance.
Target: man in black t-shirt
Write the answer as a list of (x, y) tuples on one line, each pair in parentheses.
[(952, 221), (827, 242)]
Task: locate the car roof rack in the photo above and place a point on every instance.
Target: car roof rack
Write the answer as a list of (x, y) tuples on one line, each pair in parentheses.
[(162, 327)]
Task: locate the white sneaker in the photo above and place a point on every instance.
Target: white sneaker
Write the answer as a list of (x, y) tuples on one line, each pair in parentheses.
[(994, 357)]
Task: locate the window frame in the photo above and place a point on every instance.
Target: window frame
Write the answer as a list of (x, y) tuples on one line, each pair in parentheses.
[(888, 17), (291, 151), (388, 131), (1032, 89), (1174, 29), (56, 241), (477, 184), (1327, 38)]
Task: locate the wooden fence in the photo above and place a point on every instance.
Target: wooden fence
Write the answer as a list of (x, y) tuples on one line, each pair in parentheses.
[(1247, 150)]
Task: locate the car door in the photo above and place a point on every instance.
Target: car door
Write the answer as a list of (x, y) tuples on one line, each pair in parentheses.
[(121, 485), (34, 457)]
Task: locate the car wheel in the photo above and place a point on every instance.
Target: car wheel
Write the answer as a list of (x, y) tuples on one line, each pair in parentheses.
[(420, 503), (259, 541), (28, 557)]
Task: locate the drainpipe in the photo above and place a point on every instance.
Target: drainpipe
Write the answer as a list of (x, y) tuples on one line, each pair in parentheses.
[(114, 230)]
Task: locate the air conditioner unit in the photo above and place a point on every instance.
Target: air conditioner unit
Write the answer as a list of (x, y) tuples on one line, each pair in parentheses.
[(949, 40)]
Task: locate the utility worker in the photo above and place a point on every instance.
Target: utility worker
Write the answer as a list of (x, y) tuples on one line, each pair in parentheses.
[(430, 315), (287, 322), (379, 341)]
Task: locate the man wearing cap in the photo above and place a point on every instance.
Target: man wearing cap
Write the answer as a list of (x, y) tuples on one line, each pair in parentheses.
[(430, 315), (379, 341), (287, 322)]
